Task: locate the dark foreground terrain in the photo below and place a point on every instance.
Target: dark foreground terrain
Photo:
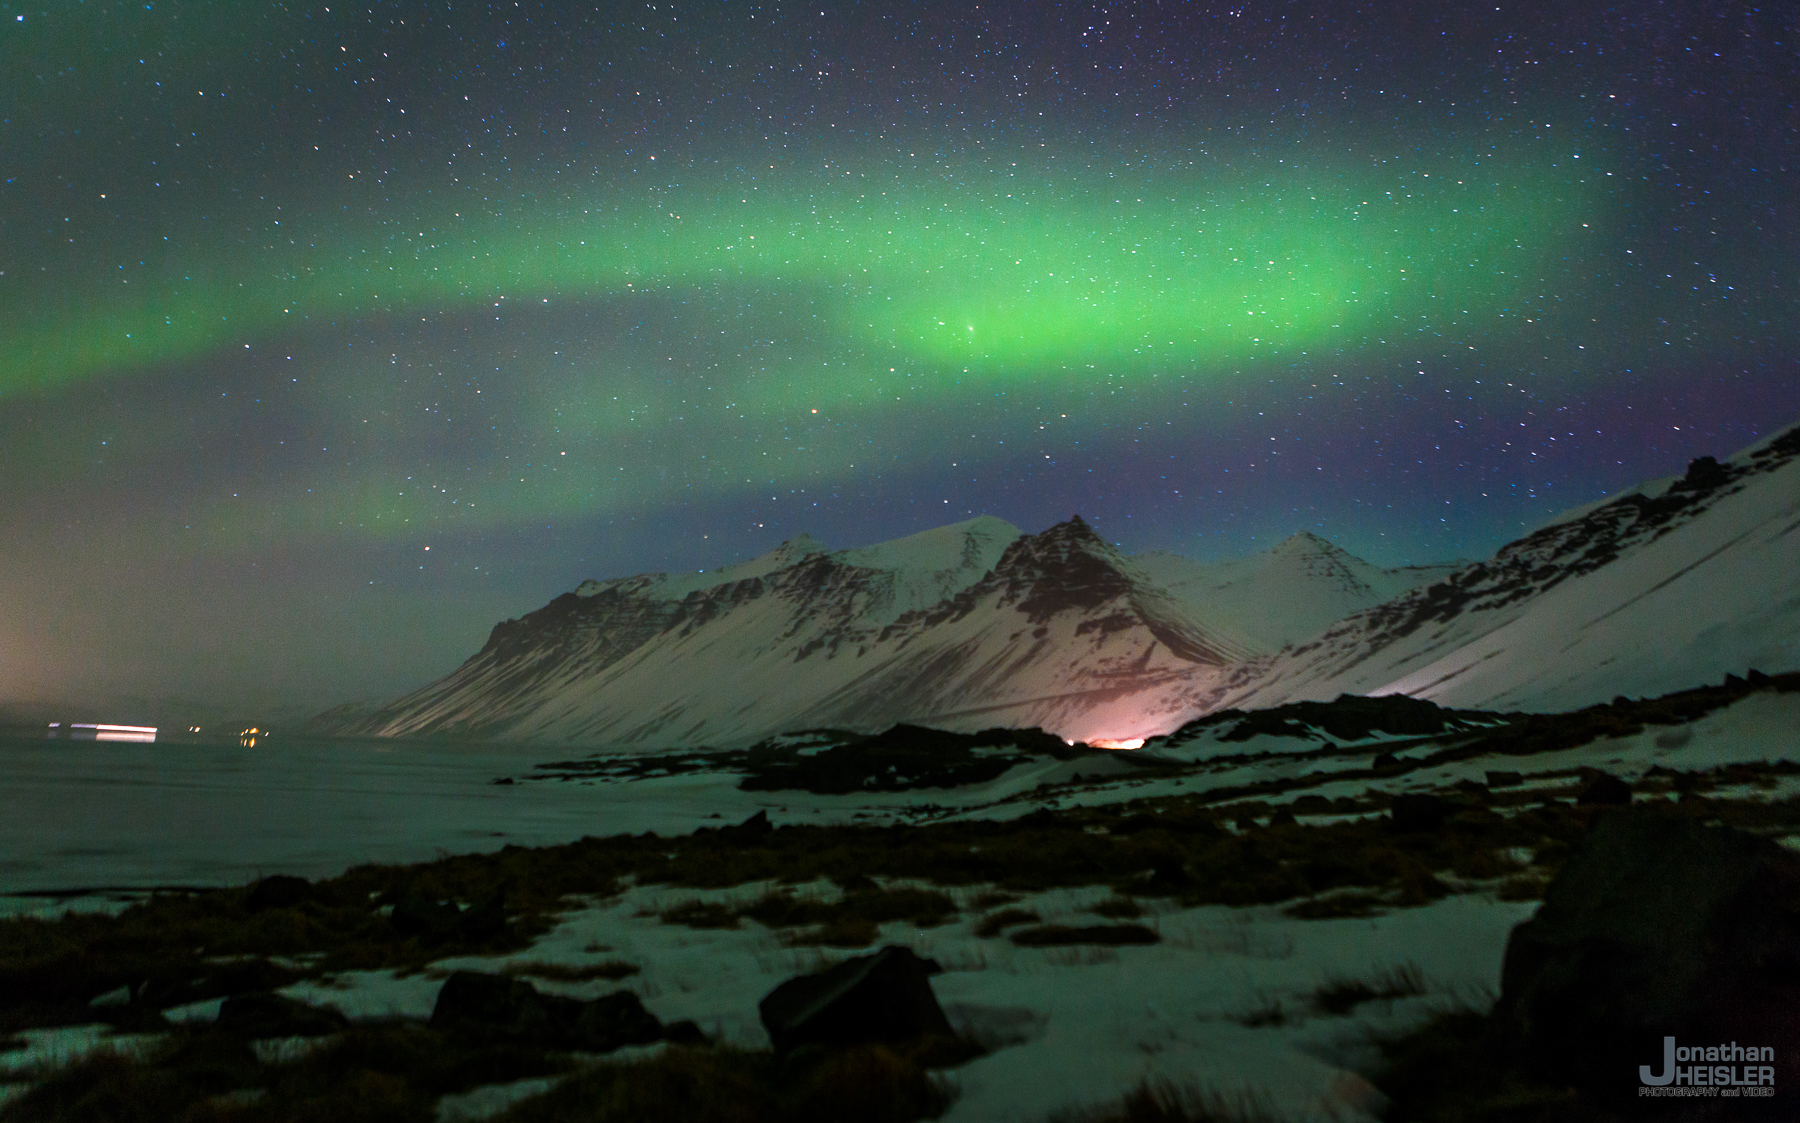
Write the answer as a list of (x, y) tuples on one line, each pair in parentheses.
[(1571, 835)]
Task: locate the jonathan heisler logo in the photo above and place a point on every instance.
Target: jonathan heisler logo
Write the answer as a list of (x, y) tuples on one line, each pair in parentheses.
[(1729, 1070)]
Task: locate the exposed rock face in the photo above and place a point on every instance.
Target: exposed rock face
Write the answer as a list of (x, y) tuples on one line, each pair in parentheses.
[(1657, 927), (882, 997), (1667, 585), (965, 628), (975, 625)]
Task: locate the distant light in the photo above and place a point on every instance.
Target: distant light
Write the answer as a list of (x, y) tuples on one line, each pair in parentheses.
[(99, 731), (1108, 743)]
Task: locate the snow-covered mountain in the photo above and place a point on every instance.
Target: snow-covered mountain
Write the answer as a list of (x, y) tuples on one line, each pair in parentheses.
[(1671, 584), (1285, 594), (964, 627), (977, 625)]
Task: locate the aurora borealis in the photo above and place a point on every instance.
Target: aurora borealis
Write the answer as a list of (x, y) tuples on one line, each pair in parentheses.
[(330, 335)]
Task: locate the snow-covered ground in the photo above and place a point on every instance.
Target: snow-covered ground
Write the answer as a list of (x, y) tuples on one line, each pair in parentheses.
[(1069, 1027), (1224, 1004)]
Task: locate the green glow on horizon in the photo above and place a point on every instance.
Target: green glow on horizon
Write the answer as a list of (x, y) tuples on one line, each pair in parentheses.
[(1005, 275)]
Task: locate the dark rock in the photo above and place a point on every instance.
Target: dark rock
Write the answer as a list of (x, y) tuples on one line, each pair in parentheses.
[(752, 829), (685, 1032), (492, 1006), (164, 991), (414, 915), (1349, 717), (1472, 788), (882, 997), (1063, 935), (1504, 779), (1385, 762), (1283, 817), (1703, 473), (1418, 812), (484, 921), (134, 1017), (1605, 789), (614, 1020), (1168, 875), (442, 921), (274, 1015), (496, 1008), (1656, 926), (282, 891)]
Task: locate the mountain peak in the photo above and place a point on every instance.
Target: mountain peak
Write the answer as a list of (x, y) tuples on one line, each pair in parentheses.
[(1066, 566), (800, 546), (1305, 542), (1073, 533)]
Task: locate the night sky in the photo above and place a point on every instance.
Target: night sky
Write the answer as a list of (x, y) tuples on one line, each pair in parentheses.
[(331, 335)]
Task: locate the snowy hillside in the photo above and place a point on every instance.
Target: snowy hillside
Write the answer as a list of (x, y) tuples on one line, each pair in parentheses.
[(977, 625), (963, 627), (1285, 594), (1673, 583)]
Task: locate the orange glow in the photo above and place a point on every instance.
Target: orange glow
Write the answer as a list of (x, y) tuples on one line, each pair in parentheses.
[(1105, 743)]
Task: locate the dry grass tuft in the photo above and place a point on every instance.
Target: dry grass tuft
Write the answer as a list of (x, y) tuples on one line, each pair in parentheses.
[(701, 914), (995, 924), (1118, 907), (1340, 996), (1103, 935), (1161, 1101), (877, 1083)]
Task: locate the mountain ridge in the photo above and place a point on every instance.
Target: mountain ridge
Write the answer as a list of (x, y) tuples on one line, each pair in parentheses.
[(978, 624)]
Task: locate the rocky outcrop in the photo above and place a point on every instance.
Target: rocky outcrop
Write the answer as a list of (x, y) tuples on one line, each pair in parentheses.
[(882, 997), (496, 1008), (1657, 927), (1666, 585)]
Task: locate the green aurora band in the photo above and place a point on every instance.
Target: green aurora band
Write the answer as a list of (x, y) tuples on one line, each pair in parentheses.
[(1002, 274)]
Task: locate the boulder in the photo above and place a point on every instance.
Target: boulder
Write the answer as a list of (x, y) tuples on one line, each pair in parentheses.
[(282, 891), (496, 1008), (1656, 926), (483, 921), (414, 915), (752, 830), (615, 1020), (1418, 812), (274, 1015), (882, 997), (1605, 789), (441, 921)]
